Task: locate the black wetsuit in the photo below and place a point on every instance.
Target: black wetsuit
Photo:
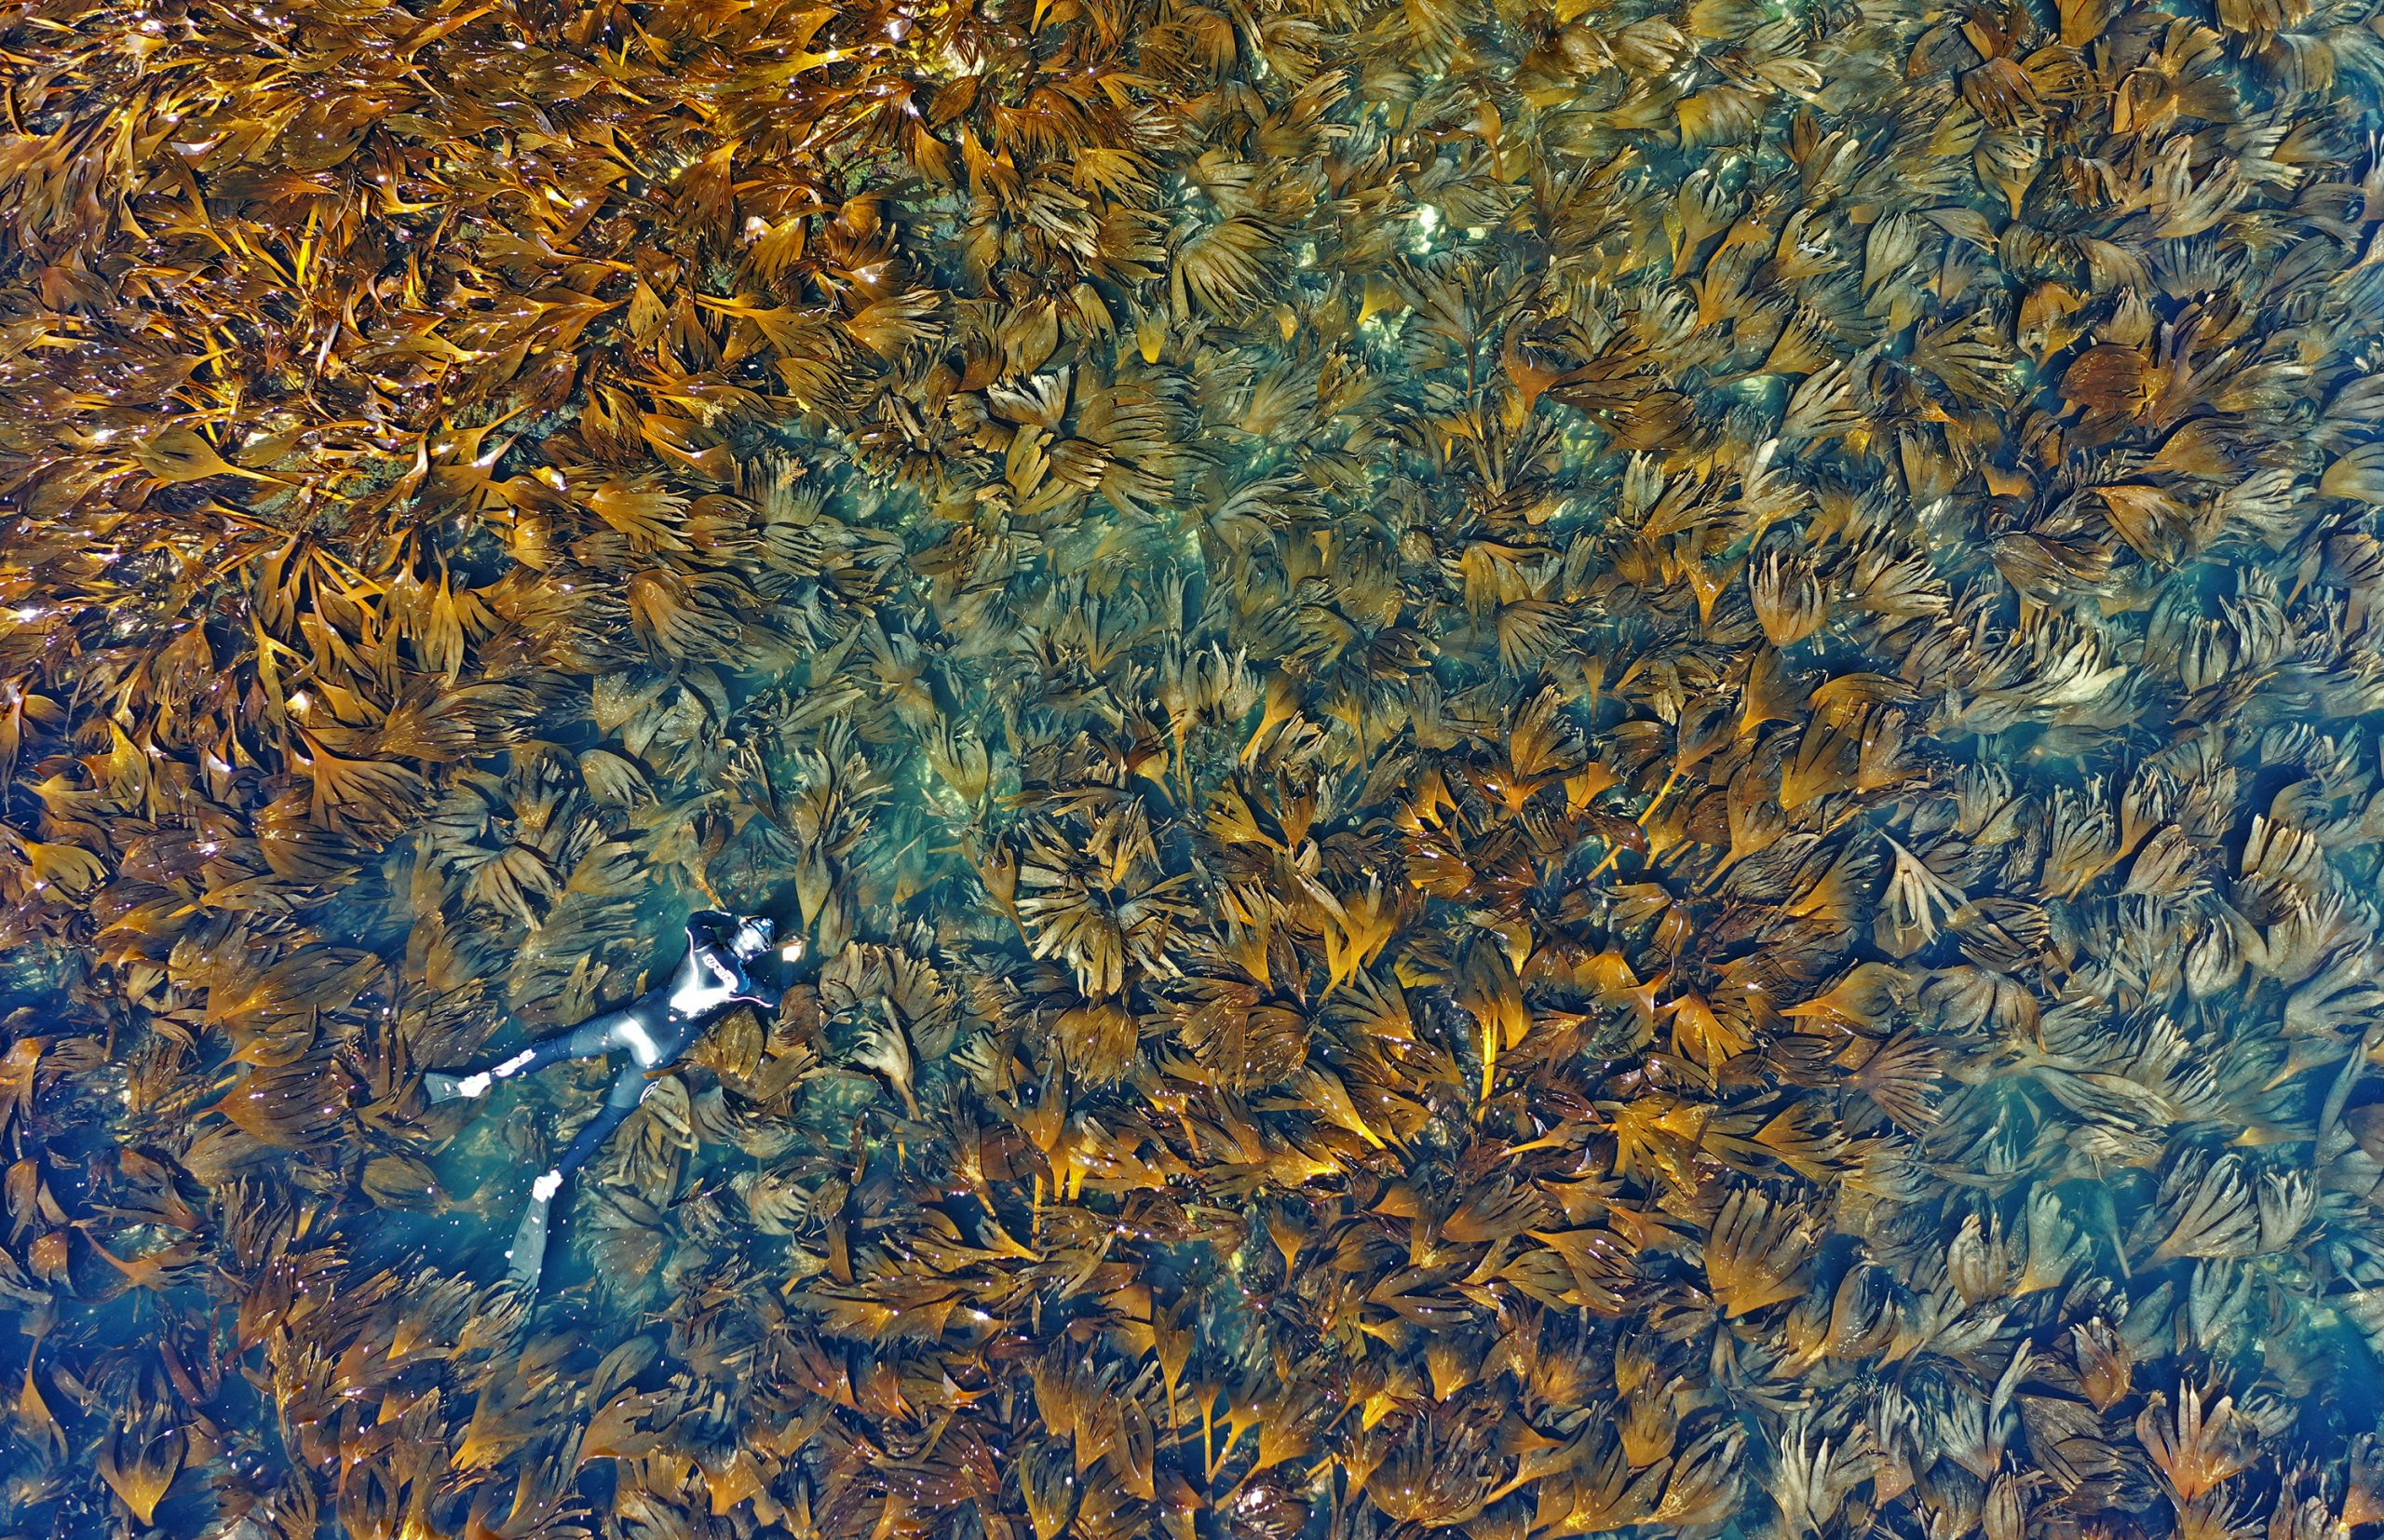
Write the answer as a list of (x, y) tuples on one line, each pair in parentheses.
[(655, 1030)]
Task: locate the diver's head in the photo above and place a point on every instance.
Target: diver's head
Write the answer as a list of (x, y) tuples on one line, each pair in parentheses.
[(753, 937)]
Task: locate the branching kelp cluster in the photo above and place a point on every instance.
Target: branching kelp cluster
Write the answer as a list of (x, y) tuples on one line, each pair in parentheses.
[(1555, 769)]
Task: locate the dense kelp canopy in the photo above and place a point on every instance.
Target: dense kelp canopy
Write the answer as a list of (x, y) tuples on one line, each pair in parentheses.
[(1550, 769)]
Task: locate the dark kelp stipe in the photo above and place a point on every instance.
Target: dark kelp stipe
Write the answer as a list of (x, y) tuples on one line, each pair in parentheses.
[(1556, 770)]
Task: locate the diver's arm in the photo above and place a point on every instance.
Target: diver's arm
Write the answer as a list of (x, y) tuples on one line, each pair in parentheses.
[(708, 930), (750, 991)]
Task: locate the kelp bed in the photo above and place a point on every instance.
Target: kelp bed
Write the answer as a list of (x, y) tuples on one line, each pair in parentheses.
[(1551, 770)]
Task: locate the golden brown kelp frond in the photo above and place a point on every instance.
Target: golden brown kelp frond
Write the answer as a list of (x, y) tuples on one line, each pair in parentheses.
[(1753, 1254), (1552, 769)]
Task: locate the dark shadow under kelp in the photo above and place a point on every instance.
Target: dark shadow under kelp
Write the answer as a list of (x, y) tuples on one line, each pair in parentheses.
[(1555, 769)]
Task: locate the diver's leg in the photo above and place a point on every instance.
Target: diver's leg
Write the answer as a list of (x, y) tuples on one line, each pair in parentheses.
[(529, 1251), (598, 1035)]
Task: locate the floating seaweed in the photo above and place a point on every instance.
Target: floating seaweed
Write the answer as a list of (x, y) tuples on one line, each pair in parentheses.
[(1555, 768)]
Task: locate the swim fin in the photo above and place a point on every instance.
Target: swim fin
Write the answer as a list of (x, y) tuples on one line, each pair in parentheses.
[(450, 1087), (528, 1257)]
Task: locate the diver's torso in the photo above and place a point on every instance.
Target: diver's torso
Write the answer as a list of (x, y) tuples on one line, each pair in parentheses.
[(666, 1023), (704, 984)]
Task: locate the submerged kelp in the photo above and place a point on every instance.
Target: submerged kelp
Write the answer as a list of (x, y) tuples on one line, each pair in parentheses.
[(1557, 770)]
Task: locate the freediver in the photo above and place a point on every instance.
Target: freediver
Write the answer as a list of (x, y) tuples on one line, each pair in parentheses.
[(656, 1029)]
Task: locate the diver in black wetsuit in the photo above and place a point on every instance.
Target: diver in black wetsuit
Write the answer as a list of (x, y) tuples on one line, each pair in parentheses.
[(656, 1030)]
